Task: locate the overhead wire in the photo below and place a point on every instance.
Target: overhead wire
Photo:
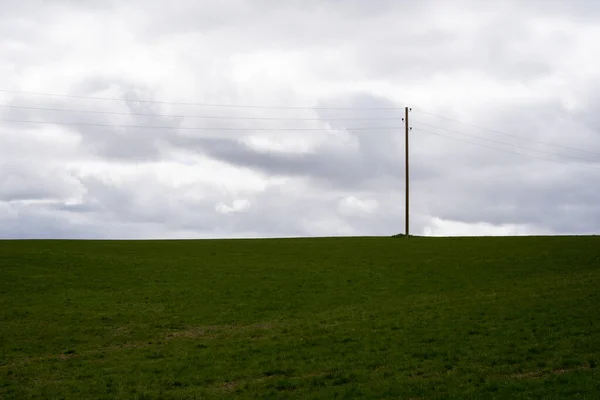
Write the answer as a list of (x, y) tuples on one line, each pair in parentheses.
[(213, 117), (504, 150), (193, 116), (503, 133), (500, 142), (196, 104), (580, 161), (195, 128)]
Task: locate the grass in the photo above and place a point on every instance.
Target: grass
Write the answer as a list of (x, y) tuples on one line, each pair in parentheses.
[(418, 318)]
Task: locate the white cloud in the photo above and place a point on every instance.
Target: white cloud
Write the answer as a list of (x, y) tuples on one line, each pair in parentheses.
[(440, 227), (352, 205), (238, 205)]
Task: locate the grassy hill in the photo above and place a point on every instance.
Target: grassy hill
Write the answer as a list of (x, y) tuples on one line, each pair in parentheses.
[(419, 318)]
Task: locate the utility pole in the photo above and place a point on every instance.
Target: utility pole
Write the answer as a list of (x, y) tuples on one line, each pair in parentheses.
[(406, 220)]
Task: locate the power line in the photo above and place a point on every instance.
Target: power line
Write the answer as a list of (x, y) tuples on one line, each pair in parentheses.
[(504, 150), (285, 129), (194, 116), (504, 133), (193, 128), (196, 104), (504, 143)]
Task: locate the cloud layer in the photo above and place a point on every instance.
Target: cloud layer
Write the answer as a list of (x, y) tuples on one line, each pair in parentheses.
[(324, 153)]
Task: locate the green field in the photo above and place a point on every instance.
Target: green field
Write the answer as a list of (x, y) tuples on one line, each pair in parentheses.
[(418, 318)]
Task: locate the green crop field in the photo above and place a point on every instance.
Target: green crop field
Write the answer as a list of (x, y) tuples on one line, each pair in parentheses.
[(418, 318)]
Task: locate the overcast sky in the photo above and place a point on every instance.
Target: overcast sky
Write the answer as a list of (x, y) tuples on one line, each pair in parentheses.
[(332, 162)]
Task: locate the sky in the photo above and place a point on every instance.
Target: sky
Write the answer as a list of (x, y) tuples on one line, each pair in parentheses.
[(267, 118)]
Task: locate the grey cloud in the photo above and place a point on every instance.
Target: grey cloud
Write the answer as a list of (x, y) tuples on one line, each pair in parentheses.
[(109, 210), (20, 181), (325, 165), (560, 216), (104, 135), (485, 185), (47, 221), (589, 115), (574, 9), (375, 50), (492, 49), (377, 159)]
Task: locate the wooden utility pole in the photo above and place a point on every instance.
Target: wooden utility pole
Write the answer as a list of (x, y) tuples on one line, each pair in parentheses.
[(406, 228)]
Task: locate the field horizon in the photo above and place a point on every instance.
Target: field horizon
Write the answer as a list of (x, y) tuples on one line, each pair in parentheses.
[(307, 317), (395, 236)]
